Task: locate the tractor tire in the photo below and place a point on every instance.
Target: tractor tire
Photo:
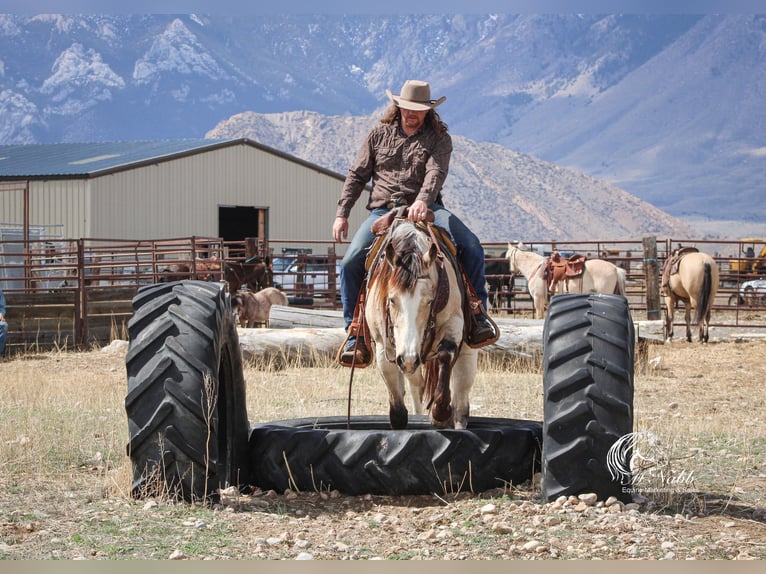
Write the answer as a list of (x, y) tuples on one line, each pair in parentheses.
[(187, 417), (366, 457), (588, 342)]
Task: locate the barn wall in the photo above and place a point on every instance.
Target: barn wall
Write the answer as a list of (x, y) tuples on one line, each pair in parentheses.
[(61, 206), (180, 198)]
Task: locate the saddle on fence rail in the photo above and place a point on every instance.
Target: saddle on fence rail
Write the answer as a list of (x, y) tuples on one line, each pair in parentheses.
[(559, 269)]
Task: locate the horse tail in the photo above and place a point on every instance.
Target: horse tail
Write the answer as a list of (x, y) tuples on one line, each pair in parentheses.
[(705, 302), (619, 287)]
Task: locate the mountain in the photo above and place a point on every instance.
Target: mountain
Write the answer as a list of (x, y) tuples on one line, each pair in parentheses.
[(666, 107), (500, 194)]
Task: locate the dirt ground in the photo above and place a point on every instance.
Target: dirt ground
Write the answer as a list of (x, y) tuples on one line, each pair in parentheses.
[(706, 400)]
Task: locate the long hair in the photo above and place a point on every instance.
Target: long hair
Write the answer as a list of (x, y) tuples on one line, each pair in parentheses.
[(433, 120)]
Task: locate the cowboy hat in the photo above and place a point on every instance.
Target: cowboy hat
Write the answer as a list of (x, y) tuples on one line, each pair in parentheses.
[(416, 95)]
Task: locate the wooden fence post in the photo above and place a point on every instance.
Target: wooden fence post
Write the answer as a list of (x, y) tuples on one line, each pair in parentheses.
[(652, 278)]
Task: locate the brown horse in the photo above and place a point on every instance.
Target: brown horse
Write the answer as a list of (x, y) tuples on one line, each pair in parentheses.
[(691, 277), (255, 276), (254, 308), (204, 270), (415, 313)]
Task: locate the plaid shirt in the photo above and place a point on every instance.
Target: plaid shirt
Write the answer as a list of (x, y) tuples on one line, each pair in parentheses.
[(416, 165)]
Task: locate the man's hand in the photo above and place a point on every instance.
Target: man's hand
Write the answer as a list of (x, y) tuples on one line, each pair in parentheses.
[(417, 211), (340, 229)]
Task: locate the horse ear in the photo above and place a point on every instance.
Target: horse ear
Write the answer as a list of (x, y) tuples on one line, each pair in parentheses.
[(391, 255), (433, 253)]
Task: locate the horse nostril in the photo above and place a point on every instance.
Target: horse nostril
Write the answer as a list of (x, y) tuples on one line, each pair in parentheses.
[(408, 363)]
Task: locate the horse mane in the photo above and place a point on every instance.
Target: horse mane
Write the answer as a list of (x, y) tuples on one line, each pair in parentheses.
[(409, 264)]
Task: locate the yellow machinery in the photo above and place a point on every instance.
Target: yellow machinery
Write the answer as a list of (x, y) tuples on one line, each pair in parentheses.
[(752, 259)]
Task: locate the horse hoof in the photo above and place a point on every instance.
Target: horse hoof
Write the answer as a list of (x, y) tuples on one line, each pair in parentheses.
[(461, 424), (398, 419), (441, 417), (437, 424)]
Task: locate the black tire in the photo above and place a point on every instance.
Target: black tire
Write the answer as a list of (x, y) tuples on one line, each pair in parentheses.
[(367, 457), (182, 443), (588, 342)]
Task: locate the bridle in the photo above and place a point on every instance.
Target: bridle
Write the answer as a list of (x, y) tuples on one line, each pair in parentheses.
[(438, 303)]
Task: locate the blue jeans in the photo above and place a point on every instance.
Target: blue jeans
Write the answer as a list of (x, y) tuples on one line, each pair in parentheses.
[(470, 253), (3, 336)]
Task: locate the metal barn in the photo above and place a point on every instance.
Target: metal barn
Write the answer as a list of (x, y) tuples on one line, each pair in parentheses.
[(232, 188)]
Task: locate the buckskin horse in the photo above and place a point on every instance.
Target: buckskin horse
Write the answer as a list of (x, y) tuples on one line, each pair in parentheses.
[(593, 276), (690, 276), (415, 313), (253, 309)]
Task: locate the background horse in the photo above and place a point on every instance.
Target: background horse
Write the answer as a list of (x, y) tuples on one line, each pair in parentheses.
[(204, 270), (531, 266), (598, 276), (415, 313), (254, 308), (255, 276), (696, 284), (499, 283)]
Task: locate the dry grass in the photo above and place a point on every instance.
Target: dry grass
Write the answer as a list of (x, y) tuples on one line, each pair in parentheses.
[(62, 441)]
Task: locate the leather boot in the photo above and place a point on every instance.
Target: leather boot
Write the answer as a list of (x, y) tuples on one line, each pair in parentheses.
[(355, 352), (482, 330)]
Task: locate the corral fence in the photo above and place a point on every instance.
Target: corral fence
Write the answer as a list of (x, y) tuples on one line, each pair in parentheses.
[(75, 293)]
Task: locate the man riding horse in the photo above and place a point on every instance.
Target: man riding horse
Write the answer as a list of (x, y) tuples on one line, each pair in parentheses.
[(407, 153)]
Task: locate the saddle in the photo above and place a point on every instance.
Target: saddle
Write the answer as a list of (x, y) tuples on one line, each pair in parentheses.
[(559, 269), (671, 266)]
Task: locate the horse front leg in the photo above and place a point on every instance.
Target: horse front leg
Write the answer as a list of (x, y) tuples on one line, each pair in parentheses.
[(417, 387), (397, 410), (441, 410), (463, 375), (539, 304)]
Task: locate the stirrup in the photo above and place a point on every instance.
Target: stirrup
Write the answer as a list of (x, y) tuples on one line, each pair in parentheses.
[(351, 361)]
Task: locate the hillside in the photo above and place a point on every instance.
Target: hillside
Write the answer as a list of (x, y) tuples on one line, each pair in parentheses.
[(668, 107), (499, 193)]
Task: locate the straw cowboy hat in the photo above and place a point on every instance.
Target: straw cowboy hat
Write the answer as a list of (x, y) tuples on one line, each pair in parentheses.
[(416, 95)]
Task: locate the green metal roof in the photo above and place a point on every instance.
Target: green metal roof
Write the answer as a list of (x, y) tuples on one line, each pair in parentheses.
[(83, 160), (88, 159)]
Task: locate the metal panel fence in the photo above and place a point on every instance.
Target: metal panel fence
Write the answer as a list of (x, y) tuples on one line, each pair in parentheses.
[(77, 292)]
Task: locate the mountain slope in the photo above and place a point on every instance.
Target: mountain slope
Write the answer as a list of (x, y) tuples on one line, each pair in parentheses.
[(694, 110), (495, 191), (667, 107)]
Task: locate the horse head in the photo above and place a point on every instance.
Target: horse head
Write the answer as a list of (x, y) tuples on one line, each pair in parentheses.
[(415, 313), (408, 301), (512, 255)]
